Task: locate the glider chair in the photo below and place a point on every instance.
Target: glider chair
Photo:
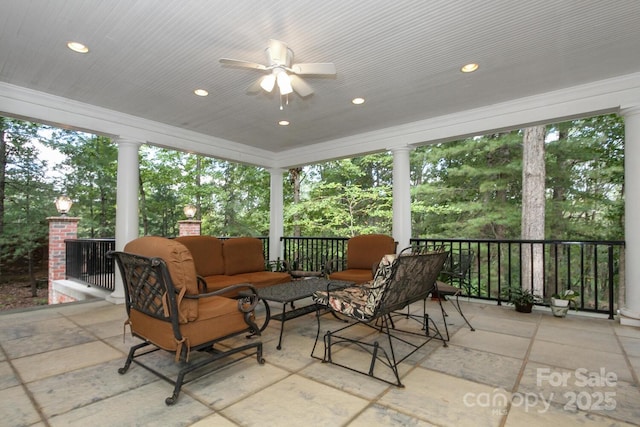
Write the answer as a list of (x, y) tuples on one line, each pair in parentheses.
[(399, 281), (166, 310), (363, 255), (455, 277)]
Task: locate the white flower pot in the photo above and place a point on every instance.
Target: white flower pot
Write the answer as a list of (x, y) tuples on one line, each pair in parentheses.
[(559, 302), (559, 311)]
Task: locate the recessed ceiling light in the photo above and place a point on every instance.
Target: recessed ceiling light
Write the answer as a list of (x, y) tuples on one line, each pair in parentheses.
[(201, 92), (283, 123), (469, 68), (357, 101), (77, 47)]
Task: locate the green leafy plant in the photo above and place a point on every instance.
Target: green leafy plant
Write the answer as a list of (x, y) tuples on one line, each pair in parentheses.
[(519, 297)]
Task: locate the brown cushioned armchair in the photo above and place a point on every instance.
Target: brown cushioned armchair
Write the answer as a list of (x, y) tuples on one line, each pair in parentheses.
[(166, 310), (363, 255)]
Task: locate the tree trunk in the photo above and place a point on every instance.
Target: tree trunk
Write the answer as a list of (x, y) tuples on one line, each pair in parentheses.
[(294, 178), (533, 208), (3, 168), (143, 207)]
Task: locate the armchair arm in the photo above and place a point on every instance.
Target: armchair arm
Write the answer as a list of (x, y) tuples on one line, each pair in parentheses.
[(202, 284), (246, 304)]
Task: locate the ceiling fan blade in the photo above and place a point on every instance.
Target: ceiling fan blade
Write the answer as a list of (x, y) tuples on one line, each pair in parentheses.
[(318, 68), (243, 64), (300, 86), (255, 86)]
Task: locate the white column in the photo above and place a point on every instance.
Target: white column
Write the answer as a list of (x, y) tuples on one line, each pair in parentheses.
[(126, 204), (276, 201), (630, 313), (401, 196)]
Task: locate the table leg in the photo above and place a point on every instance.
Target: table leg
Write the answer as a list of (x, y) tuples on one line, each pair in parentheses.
[(284, 309)]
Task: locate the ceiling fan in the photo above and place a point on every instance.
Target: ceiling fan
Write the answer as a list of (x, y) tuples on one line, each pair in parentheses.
[(281, 71)]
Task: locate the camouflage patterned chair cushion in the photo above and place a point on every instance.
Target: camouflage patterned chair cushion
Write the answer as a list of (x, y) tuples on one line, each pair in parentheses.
[(359, 301)]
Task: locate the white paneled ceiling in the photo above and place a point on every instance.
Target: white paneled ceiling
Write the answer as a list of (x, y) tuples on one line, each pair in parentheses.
[(403, 57)]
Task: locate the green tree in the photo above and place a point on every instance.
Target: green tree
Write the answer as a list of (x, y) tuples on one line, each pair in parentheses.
[(27, 196), (469, 189), (90, 179), (345, 198)]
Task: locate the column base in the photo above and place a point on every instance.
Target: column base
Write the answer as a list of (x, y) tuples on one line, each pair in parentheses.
[(629, 318), (115, 299)]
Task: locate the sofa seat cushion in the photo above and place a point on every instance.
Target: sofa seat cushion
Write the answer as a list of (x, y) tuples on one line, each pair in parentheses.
[(354, 275), (259, 279), (220, 281)]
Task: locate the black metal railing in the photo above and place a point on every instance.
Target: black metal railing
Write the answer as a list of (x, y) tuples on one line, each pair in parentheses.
[(86, 260), (592, 268), (314, 253)]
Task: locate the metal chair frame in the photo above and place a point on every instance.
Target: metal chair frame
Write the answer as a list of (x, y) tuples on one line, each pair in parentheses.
[(150, 290), (411, 278)]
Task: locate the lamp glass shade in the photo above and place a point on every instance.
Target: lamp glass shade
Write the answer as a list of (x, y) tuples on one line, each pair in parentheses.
[(190, 211), (284, 84), (63, 204), (268, 82)]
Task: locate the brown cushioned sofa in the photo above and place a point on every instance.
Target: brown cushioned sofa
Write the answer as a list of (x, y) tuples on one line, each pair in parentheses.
[(222, 263)]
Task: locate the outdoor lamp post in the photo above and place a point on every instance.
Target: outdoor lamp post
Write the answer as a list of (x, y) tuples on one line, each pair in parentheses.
[(190, 211), (63, 205)]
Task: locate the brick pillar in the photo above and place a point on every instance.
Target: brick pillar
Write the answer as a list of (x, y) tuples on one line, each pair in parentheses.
[(60, 229), (189, 227)]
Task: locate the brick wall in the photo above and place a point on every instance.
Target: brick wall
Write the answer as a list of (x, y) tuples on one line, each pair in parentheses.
[(60, 229), (189, 227)]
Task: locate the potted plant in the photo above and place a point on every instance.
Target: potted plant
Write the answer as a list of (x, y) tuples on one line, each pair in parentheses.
[(522, 299), (560, 303)]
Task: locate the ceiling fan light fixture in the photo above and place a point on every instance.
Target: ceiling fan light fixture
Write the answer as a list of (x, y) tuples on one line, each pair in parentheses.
[(284, 83), (268, 82), (469, 68), (77, 47)]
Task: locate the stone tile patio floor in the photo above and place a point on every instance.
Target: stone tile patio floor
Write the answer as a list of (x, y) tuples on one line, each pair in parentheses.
[(58, 367)]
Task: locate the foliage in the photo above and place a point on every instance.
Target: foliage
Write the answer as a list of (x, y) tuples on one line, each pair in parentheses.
[(90, 179), (519, 296), (27, 196), (345, 198), (232, 199), (472, 188), (569, 295), (453, 183)]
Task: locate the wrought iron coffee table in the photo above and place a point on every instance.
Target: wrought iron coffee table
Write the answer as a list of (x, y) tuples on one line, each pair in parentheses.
[(289, 293)]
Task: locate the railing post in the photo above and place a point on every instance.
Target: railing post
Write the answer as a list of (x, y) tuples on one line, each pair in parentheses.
[(61, 228)]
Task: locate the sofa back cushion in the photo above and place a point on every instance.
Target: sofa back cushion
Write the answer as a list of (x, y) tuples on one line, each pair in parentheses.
[(206, 252), (179, 264), (366, 251), (243, 255)]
